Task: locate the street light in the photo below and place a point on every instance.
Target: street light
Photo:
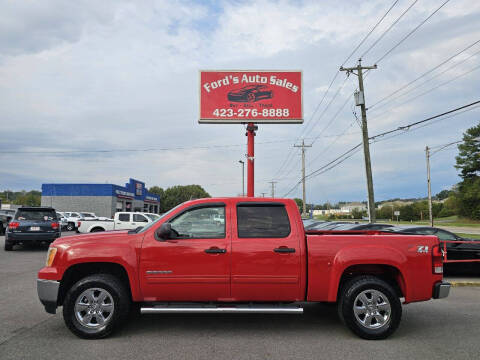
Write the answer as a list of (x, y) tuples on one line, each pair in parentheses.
[(243, 176)]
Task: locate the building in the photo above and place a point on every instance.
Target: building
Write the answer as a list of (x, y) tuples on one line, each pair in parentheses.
[(349, 207), (102, 199)]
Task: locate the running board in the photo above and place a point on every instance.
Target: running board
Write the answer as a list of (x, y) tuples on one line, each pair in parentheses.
[(208, 309)]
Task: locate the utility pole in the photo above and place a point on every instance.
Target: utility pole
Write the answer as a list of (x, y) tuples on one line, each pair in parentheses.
[(360, 101), (427, 153), (303, 146), (273, 187), (243, 176)]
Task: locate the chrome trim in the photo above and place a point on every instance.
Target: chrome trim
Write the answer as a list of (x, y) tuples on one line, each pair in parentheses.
[(47, 291), (442, 290), (153, 272), (226, 309)]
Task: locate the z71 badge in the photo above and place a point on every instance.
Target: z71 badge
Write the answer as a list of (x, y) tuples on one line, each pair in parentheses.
[(422, 249)]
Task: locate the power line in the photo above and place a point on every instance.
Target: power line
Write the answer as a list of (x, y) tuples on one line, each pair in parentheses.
[(387, 30), (430, 90), (349, 153), (426, 73), (370, 32), (407, 127), (137, 150), (410, 33), (289, 156)]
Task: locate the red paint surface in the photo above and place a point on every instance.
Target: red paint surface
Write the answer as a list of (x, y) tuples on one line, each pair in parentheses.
[(281, 97), (249, 270)]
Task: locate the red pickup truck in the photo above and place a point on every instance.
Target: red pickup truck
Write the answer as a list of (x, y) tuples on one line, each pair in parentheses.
[(238, 255)]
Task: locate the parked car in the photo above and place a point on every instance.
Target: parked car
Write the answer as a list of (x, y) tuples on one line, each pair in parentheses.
[(311, 223), (250, 93), (120, 221), (6, 215), (62, 220), (329, 225), (32, 225), (367, 226), (259, 261), (455, 251), (152, 216)]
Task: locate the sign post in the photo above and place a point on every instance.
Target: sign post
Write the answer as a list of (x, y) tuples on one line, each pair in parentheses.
[(251, 97)]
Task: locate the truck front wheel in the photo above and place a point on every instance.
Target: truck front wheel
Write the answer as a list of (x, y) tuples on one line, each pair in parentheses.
[(95, 306), (370, 307)]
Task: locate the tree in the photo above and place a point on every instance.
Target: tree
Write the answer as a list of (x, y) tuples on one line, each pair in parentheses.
[(299, 204), (442, 195), (178, 194), (468, 159), (468, 162)]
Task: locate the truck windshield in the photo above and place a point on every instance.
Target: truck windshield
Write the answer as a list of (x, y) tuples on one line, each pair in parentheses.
[(146, 227)]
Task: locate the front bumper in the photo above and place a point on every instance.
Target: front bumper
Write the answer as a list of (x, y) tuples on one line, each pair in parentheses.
[(441, 290), (48, 294)]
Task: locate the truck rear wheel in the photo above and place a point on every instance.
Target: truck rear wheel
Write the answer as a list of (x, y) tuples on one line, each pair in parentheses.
[(370, 307), (95, 306)]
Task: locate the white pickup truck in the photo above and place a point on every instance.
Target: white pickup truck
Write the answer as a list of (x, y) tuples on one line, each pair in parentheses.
[(120, 221)]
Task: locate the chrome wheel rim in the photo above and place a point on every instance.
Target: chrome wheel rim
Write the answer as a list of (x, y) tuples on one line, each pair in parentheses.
[(94, 308), (372, 309)]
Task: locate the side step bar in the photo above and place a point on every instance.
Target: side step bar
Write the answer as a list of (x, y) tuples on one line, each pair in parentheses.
[(227, 309)]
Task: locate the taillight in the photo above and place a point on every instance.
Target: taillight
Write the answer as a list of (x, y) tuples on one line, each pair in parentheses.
[(78, 224), (437, 260), (13, 225), (55, 225)]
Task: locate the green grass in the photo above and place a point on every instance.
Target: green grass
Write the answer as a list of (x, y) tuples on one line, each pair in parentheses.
[(469, 236)]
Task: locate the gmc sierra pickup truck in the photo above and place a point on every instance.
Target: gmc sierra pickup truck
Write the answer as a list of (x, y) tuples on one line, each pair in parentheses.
[(259, 259)]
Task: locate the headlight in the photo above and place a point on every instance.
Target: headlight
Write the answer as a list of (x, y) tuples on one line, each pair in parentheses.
[(50, 256)]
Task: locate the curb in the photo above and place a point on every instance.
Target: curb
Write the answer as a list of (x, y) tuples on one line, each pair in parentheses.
[(464, 283)]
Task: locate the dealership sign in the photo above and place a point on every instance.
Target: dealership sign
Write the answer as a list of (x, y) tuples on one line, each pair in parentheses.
[(232, 97)]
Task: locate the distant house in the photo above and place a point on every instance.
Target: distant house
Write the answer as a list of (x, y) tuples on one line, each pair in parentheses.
[(349, 207)]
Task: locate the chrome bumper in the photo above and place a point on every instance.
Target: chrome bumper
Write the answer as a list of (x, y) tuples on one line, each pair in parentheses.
[(48, 293), (441, 290)]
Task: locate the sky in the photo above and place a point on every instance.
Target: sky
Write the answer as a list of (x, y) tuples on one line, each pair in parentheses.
[(122, 77)]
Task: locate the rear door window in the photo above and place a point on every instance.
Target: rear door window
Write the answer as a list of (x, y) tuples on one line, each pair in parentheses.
[(262, 221), (124, 217), (139, 218)]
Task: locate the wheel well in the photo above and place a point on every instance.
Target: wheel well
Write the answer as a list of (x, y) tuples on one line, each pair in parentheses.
[(79, 271), (387, 273), (97, 228)]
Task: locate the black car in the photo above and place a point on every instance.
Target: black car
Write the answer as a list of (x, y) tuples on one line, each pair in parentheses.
[(455, 251), (250, 93), (369, 226), (32, 225)]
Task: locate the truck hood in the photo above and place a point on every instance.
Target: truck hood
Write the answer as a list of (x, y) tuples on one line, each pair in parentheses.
[(82, 239)]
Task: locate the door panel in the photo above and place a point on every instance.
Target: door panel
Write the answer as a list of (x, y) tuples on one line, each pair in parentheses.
[(265, 268), (187, 268)]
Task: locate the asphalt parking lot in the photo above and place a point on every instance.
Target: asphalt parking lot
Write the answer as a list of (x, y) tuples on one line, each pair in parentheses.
[(441, 329)]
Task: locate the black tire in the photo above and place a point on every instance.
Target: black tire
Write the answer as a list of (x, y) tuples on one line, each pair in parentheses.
[(8, 246), (70, 226), (119, 296), (367, 326), (97, 229)]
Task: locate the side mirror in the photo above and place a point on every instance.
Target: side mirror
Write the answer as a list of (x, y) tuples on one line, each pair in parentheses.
[(165, 231)]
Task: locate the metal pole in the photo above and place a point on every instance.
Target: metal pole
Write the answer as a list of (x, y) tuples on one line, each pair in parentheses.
[(243, 176), (304, 197), (251, 158), (273, 187), (427, 153), (366, 148)]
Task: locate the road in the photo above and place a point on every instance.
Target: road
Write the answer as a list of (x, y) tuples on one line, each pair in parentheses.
[(440, 329)]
